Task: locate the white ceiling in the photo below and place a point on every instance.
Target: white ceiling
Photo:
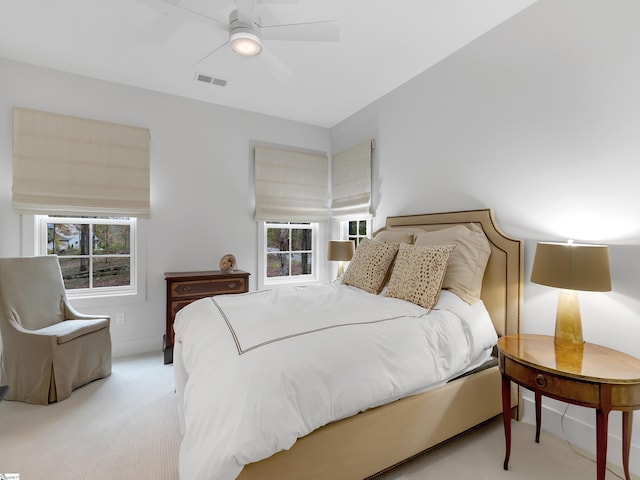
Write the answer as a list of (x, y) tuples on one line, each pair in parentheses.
[(148, 44)]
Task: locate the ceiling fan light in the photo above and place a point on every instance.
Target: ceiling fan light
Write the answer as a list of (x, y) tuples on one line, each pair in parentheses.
[(246, 44)]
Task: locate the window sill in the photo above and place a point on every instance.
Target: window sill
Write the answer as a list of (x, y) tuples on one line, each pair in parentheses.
[(289, 283), (81, 301)]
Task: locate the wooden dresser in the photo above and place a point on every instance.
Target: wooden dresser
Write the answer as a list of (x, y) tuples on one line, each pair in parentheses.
[(185, 287)]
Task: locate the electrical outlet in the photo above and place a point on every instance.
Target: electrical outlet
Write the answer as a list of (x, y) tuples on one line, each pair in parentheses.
[(120, 318)]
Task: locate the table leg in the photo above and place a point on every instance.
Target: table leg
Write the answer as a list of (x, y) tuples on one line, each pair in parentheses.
[(506, 418), (602, 420), (627, 423), (538, 415)]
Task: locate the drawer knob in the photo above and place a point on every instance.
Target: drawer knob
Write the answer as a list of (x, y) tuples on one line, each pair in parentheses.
[(232, 285), (187, 288), (540, 380)]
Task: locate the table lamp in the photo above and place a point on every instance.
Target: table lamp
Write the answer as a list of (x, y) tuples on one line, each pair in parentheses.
[(571, 267), (340, 251)]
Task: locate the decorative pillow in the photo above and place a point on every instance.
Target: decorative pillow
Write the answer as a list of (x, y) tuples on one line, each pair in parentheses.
[(369, 266), (418, 273), (397, 236), (468, 261)]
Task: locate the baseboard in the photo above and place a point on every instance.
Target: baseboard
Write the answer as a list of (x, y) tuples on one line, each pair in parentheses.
[(581, 434)]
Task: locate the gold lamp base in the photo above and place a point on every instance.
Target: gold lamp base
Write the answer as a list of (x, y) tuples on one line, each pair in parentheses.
[(568, 321)]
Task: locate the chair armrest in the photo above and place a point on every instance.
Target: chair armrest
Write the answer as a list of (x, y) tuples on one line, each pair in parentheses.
[(72, 314), (24, 331), (18, 333)]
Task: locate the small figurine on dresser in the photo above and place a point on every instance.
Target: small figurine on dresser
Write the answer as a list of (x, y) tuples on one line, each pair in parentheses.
[(227, 263)]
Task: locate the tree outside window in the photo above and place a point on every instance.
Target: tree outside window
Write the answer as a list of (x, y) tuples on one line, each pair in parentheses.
[(289, 249), (94, 253), (357, 230)]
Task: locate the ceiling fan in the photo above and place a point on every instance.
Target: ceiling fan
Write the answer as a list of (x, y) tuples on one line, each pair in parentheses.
[(247, 33)]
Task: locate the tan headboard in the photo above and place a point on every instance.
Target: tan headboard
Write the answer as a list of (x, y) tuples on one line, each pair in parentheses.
[(503, 279)]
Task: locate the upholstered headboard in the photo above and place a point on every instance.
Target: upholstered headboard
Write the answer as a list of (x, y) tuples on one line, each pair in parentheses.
[(503, 279)]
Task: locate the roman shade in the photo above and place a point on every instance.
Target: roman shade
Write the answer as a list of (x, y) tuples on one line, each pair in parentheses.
[(291, 185), (351, 181), (77, 166)]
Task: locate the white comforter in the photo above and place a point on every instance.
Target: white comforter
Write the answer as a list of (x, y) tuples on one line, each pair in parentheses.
[(266, 368)]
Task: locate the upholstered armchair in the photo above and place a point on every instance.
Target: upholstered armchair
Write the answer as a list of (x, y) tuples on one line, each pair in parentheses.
[(48, 348)]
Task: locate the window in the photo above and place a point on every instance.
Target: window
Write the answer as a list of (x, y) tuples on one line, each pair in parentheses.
[(292, 200), (356, 230), (96, 254), (289, 252)]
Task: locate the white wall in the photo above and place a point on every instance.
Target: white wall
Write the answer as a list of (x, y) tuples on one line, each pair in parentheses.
[(539, 119), (202, 196)]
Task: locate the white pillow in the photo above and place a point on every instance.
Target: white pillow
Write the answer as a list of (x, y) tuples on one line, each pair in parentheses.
[(397, 236), (468, 261)]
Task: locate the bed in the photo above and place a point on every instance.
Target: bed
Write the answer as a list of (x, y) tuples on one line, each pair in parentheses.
[(351, 440)]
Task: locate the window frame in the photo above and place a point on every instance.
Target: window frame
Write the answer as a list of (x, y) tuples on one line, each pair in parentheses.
[(344, 229), (267, 282), (35, 243)]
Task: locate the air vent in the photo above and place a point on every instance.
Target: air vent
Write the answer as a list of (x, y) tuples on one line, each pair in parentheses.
[(205, 78)]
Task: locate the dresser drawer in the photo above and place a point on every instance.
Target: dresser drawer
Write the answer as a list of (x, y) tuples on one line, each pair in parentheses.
[(203, 288), (186, 287), (177, 305), (587, 394)]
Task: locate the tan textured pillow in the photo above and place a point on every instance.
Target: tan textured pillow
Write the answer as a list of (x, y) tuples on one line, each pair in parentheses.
[(369, 266), (468, 261), (418, 273), (398, 236)]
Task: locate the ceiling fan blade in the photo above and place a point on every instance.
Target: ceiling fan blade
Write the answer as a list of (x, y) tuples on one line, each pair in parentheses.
[(277, 67), (326, 31), (159, 5), (173, 8), (208, 55), (159, 30), (246, 11), (220, 4)]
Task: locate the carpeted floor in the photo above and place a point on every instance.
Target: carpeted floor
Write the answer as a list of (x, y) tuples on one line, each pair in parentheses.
[(126, 426)]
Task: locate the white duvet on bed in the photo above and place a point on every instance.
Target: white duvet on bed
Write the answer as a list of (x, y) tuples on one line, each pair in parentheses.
[(268, 367)]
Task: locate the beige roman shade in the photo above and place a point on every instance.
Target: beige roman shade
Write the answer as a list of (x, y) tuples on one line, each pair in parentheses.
[(77, 166), (291, 185), (351, 181)]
